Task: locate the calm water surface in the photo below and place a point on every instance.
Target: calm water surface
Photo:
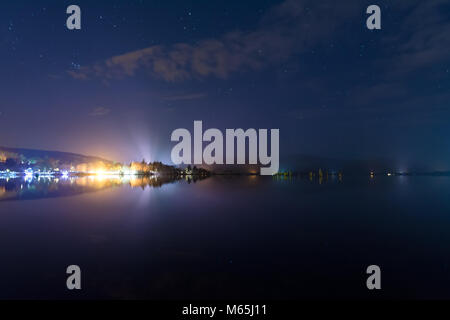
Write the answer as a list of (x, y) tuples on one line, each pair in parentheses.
[(225, 237)]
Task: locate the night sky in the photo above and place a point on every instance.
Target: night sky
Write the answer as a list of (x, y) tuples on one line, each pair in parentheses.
[(137, 70)]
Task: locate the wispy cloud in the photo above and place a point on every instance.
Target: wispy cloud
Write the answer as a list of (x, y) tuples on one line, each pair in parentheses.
[(422, 37), (286, 29), (419, 40), (99, 112), (183, 97), (292, 27)]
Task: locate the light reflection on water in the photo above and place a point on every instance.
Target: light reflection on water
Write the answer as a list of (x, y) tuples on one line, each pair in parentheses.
[(30, 187), (226, 237)]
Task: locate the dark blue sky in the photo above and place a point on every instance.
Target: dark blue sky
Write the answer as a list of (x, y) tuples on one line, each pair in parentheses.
[(140, 69)]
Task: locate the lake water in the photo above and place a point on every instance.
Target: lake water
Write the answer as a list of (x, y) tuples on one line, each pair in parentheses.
[(225, 237)]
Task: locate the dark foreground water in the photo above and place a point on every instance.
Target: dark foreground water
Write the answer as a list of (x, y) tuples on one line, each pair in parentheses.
[(225, 237)]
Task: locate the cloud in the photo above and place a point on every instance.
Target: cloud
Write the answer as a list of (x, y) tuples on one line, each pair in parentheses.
[(286, 29), (192, 96), (55, 76), (290, 28), (422, 37), (99, 112), (416, 43), (82, 75)]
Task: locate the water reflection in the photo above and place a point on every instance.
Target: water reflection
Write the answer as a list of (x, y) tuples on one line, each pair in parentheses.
[(29, 187)]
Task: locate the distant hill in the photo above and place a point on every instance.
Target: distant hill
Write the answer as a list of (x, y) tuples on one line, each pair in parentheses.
[(300, 162), (306, 163), (63, 157), (231, 168)]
